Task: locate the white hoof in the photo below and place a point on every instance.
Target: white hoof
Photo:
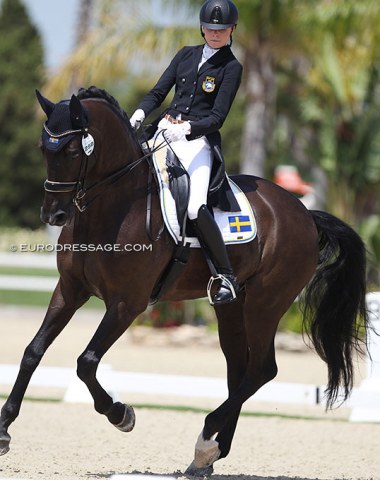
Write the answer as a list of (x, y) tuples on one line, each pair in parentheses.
[(206, 453), (129, 420)]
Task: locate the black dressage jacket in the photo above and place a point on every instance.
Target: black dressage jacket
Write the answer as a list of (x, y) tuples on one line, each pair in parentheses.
[(203, 97)]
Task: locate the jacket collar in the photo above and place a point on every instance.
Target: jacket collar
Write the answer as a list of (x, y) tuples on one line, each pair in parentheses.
[(220, 56)]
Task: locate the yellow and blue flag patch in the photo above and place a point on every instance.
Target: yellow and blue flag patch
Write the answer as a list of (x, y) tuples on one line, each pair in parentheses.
[(240, 223)]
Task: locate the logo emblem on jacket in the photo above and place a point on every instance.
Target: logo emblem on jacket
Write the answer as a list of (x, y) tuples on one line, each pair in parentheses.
[(209, 84)]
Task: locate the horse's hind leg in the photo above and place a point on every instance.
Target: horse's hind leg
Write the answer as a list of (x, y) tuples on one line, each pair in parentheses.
[(261, 318), (117, 319), (57, 317), (233, 341)]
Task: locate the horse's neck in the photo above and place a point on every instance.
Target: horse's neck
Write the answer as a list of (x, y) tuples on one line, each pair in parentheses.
[(114, 204)]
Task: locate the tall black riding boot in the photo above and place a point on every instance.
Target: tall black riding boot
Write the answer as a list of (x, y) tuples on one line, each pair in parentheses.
[(212, 242)]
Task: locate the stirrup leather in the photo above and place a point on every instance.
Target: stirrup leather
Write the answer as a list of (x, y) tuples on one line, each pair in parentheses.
[(213, 279)]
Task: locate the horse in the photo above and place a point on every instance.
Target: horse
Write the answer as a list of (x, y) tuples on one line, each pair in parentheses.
[(96, 189)]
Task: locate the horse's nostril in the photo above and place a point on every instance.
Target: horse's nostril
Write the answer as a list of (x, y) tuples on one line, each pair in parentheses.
[(58, 218)]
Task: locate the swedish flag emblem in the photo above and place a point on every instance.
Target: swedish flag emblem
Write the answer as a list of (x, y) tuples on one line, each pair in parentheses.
[(240, 223), (53, 140)]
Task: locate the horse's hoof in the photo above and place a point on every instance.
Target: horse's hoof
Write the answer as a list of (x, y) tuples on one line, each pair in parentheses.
[(129, 420), (206, 453), (193, 471), (4, 444)]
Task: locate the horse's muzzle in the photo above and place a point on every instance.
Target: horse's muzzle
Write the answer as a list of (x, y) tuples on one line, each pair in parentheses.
[(57, 218)]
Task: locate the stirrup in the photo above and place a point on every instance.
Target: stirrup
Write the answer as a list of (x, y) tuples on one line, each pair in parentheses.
[(213, 279)]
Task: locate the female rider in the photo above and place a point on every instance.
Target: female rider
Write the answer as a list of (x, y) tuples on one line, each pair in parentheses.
[(206, 78)]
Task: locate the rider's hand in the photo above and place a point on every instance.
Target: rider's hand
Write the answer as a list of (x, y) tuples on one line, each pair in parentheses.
[(177, 131), (137, 118)]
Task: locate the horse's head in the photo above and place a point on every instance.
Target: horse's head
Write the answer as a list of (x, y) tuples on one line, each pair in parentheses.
[(84, 156), (66, 145)]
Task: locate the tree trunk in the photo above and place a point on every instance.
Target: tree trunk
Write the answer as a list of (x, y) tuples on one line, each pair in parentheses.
[(260, 88), (85, 14), (84, 21)]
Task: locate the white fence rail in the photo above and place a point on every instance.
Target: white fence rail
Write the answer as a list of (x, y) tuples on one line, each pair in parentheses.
[(29, 283), (368, 409), (150, 384), (28, 260)]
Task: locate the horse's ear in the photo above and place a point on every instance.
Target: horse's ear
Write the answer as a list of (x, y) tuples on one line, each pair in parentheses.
[(78, 113), (46, 105)]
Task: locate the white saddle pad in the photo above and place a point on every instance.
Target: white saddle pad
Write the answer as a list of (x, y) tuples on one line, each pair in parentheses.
[(236, 227)]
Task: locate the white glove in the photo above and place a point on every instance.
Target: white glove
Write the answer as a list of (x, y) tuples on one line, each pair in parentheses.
[(137, 118), (177, 131)]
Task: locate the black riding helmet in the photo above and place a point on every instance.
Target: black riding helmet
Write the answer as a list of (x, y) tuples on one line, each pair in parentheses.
[(218, 14)]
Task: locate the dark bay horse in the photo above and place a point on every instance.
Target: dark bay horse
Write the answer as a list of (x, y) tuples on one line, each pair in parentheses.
[(295, 249)]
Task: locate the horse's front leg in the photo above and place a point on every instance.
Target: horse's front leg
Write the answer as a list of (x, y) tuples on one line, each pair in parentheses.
[(115, 322), (57, 317)]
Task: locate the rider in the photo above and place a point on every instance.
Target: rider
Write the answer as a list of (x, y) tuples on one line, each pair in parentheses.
[(206, 78)]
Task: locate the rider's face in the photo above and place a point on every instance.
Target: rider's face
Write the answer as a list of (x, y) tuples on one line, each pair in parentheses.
[(217, 38)]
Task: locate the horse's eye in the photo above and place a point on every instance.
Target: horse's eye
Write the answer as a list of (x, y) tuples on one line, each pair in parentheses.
[(74, 153)]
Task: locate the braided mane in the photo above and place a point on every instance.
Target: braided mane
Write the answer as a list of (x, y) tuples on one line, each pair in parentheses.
[(95, 92)]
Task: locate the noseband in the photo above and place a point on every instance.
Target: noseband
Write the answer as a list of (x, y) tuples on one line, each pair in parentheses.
[(59, 187)]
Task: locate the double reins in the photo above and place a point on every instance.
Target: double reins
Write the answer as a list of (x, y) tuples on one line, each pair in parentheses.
[(79, 186)]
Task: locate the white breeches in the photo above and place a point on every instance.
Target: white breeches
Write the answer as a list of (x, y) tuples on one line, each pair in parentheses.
[(195, 156)]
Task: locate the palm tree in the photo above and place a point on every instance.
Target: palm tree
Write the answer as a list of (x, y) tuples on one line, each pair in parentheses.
[(83, 21), (267, 36), (341, 104), (122, 41), (125, 33), (341, 90)]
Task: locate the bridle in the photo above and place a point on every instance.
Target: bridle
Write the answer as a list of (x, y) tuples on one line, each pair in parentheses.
[(63, 187), (79, 187)]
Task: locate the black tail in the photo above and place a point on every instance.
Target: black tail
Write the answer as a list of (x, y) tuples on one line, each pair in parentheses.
[(334, 302)]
